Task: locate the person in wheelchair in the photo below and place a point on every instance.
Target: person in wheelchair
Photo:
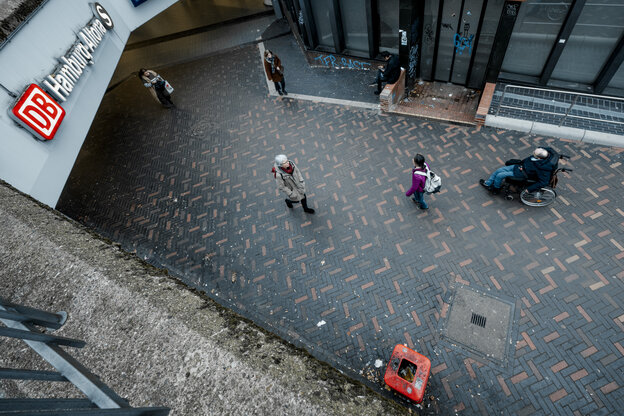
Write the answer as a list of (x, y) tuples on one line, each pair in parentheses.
[(538, 167)]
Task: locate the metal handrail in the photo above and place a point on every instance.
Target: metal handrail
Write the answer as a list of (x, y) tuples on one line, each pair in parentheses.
[(568, 110), (564, 92), (100, 399)]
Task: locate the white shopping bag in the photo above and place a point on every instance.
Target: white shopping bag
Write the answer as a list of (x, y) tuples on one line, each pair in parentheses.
[(168, 87)]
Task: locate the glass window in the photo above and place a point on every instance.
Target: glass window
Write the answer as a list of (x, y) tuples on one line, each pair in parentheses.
[(464, 40), (534, 35), (320, 13), (430, 24), (388, 12), (450, 25), (592, 41), (618, 79), (486, 40), (354, 26)]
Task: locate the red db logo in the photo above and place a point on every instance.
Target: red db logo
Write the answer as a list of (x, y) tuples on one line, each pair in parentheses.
[(38, 112)]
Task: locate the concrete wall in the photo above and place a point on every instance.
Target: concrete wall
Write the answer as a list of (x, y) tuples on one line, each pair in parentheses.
[(38, 168)]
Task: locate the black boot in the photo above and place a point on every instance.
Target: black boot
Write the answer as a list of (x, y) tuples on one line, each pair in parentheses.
[(288, 203), (304, 203)]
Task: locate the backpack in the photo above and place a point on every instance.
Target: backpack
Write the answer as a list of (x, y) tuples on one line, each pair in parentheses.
[(433, 182)]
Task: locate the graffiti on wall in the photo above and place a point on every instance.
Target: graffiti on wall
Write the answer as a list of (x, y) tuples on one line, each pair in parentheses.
[(428, 34), (512, 9), (463, 41), (341, 62), (413, 61)]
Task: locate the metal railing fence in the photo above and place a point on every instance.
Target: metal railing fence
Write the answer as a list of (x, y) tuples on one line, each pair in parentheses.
[(563, 105), (22, 322)]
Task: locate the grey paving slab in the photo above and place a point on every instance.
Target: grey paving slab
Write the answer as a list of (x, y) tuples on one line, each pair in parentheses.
[(334, 83)]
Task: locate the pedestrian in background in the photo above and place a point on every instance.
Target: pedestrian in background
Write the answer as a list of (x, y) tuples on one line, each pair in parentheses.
[(275, 71), (419, 178), (156, 85), (290, 181)]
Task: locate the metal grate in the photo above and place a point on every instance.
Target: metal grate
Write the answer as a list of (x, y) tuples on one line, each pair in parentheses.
[(559, 107), (478, 320)]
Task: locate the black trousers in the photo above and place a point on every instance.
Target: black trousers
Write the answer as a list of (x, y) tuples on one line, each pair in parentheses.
[(164, 97), (304, 202), (283, 85), (381, 78)]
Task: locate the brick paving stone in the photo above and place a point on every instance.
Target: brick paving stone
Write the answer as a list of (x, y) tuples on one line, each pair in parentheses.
[(519, 377), (190, 190), (608, 388), (559, 366), (578, 375)]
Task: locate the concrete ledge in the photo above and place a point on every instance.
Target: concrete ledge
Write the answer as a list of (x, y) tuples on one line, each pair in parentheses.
[(544, 129), (150, 338), (485, 101), (603, 138), (552, 130), (509, 123), (392, 93)]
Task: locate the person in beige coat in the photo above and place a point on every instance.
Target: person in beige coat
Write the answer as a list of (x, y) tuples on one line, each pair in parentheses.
[(290, 181)]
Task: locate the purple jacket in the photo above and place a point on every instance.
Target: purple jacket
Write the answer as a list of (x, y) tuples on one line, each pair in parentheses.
[(418, 181)]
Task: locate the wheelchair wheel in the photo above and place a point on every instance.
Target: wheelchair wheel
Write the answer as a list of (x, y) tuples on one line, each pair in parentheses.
[(545, 196)]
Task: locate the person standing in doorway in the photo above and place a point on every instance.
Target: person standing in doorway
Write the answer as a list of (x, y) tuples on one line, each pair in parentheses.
[(290, 181), (275, 71), (156, 84), (419, 178)]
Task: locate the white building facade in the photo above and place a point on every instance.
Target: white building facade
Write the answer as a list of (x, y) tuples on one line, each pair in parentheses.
[(54, 70)]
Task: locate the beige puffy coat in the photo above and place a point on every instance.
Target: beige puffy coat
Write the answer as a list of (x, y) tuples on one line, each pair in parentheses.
[(292, 185)]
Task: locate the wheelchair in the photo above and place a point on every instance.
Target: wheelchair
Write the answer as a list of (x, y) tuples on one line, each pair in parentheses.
[(513, 186)]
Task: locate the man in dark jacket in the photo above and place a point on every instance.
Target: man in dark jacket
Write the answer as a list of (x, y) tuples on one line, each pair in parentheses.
[(390, 74), (537, 167)]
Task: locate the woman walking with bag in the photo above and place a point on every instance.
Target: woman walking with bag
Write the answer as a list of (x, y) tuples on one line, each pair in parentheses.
[(419, 178), (275, 71), (157, 86)]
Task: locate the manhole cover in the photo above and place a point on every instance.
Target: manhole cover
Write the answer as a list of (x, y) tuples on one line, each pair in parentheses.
[(479, 322)]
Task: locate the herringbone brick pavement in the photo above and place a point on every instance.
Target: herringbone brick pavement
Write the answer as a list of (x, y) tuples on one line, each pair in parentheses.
[(190, 189)]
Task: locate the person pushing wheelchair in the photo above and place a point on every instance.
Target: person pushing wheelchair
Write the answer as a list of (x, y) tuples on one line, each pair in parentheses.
[(537, 167)]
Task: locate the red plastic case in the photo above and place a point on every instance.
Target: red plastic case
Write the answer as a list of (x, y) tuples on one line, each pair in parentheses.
[(408, 373)]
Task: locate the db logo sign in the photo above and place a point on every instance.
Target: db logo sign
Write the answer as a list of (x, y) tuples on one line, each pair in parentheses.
[(38, 113)]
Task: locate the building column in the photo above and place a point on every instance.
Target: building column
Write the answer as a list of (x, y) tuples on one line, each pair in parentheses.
[(501, 40), (410, 29)]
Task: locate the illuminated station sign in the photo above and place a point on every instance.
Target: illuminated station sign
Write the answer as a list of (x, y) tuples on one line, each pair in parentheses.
[(40, 112)]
